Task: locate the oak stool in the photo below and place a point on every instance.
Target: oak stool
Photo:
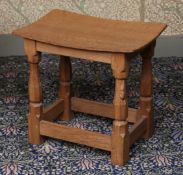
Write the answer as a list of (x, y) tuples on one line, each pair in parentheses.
[(114, 42)]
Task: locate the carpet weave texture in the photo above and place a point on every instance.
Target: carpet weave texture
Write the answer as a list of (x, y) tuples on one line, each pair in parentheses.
[(160, 155)]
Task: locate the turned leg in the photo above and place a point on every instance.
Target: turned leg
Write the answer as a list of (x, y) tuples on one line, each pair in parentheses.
[(65, 87), (120, 135), (35, 93), (145, 104)]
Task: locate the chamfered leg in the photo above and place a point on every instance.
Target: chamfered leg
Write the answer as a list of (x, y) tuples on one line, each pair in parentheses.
[(145, 104), (120, 135), (65, 86), (35, 93)]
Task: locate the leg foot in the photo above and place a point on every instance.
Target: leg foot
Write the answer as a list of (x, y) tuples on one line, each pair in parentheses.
[(120, 143), (35, 111)]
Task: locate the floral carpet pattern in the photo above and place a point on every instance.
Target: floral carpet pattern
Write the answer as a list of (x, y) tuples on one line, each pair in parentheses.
[(160, 155)]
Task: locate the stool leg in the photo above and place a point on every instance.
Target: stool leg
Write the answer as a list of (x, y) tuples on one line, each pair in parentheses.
[(65, 87), (145, 104), (120, 135), (35, 93)]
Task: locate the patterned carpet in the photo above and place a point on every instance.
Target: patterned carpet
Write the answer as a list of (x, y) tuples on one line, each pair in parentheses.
[(160, 155)]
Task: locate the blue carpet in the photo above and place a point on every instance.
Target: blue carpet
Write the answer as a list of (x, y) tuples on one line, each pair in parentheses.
[(160, 155)]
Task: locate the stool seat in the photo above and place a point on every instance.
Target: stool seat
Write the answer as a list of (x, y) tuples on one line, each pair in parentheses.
[(77, 31)]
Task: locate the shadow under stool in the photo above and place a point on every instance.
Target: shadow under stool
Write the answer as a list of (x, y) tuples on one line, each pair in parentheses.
[(113, 42)]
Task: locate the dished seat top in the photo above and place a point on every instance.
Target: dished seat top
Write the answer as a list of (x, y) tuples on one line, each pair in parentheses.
[(77, 31)]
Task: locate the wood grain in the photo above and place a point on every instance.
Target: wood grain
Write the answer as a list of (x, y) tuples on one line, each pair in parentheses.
[(76, 135), (100, 109), (78, 53)]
